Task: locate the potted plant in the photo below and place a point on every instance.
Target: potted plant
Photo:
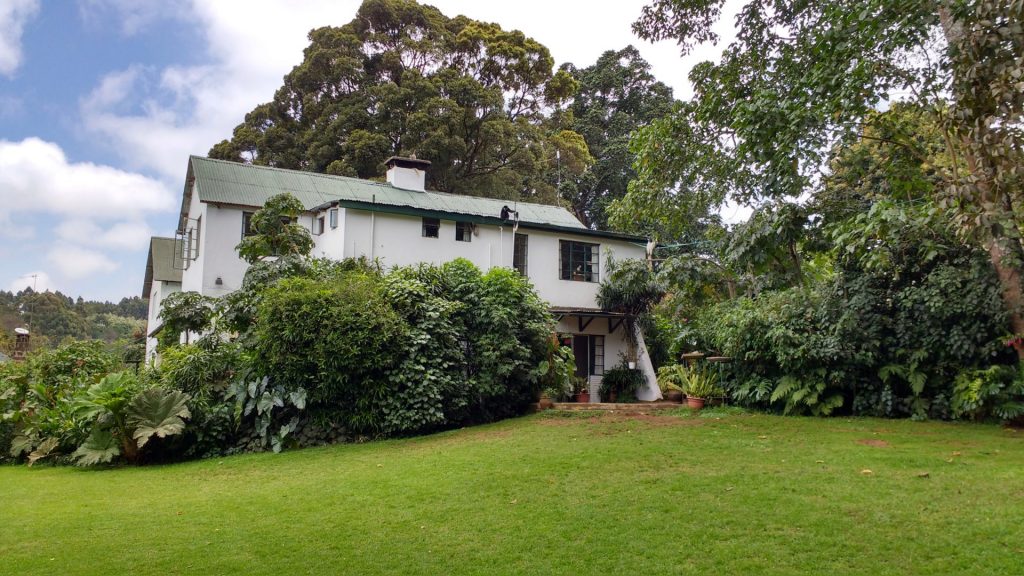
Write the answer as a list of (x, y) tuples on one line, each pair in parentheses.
[(582, 389), (700, 385), (672, 381), (621, 383)]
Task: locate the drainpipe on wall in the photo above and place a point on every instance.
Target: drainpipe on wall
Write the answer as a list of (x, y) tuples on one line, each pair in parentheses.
[(373, 223)]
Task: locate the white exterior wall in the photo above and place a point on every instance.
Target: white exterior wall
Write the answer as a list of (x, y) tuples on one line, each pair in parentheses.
[(542, 263), (222, 231), (157, 293), (398, 241), (330, 244)]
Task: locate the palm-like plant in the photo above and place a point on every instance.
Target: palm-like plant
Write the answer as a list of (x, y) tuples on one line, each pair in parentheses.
[(632, 289), (692, 381)]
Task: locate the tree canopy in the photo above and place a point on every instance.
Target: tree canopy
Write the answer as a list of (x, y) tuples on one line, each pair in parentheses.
[(804, 77), (483, 104), (616, 95), (404, 79)]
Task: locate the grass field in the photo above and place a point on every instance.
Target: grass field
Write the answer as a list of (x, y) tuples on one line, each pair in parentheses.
[(549, 494)]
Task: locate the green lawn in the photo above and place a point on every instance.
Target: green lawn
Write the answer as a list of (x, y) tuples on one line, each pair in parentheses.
[(549, 494)]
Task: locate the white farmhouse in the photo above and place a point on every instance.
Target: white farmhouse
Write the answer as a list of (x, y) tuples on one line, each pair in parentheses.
[(399, 222)]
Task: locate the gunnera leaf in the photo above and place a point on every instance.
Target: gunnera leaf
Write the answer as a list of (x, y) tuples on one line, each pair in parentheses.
[(45, 448), (157, 412), (100, 448)]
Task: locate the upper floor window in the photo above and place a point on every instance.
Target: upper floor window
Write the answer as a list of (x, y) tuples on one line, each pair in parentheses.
[(578, 260), (319, 227), (520, 250), (334, 217), (247, 224), (463, 231), (431, 227)]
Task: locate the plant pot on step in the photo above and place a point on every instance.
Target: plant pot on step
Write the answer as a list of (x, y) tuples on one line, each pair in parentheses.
[(674, 396), (695, 403), (583, 397)]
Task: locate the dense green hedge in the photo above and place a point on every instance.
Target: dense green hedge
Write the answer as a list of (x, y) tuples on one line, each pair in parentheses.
[(864, 342), (307, 351)]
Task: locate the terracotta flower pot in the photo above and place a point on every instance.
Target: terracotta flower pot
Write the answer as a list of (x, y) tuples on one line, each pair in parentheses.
[(583, 397), (695, 403), (674, 396)]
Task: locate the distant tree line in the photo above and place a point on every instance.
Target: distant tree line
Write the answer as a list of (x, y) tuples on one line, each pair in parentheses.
[(54, 317)]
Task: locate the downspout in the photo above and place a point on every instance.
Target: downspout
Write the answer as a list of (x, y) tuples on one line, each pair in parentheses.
[(373, 223)]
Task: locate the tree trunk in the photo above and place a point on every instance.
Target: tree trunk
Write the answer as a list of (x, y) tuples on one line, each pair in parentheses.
[(1004, 248)]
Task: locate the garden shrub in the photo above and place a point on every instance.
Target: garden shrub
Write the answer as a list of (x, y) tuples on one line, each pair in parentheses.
[(307, 352), (865, 342), (423, 348), (333, 338)]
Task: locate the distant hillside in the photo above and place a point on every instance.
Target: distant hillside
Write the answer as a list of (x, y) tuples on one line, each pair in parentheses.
[(54, 317)]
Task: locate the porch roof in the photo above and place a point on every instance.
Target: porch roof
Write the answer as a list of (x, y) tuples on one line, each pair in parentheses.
[(585, 312), (584, 316)]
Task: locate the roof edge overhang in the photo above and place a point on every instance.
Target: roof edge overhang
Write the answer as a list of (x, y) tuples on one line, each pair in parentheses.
[(585, 312), (476, 219), (147, 282)]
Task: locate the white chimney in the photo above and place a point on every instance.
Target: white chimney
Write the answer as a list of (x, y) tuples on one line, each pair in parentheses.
[(407, 173)]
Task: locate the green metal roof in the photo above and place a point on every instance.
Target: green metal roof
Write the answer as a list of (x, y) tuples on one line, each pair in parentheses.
[(160, 263), (224, 182)]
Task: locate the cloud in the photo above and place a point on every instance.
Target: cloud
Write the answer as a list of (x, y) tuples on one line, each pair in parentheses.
[(121, 236), (36, 176), (76, 263), (76, 213), (113, 89), (37, 280), (184, 110), (14, 14)]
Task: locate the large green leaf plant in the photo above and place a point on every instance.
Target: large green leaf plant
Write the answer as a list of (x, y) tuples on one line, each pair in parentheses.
[(124, 418)]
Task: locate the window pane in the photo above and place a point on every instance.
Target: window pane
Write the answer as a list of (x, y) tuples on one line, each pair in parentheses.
[(520, 250), (334, 218), (431, 227), (579, 260), (247, 224)]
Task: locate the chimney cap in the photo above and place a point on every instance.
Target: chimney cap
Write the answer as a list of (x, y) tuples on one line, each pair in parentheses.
[(403, 162)]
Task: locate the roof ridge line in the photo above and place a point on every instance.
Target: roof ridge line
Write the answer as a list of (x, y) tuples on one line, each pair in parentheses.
[(367, 181)]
